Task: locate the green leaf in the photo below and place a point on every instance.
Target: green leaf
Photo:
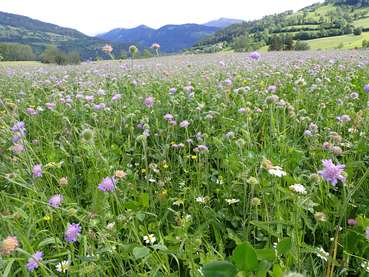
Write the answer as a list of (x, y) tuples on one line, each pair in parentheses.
[(277, 271), (140, 252), (8, 268), (265, 254), (144, 200), (48, 241), (140, 216), (244, 256), (219, 269), (284, 246)]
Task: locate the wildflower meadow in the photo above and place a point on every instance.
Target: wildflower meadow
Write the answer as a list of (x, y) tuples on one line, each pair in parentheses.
[(200, 165)]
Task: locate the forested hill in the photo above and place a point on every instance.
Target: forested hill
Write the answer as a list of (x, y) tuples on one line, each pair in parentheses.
[(37, 34), (334, 18)]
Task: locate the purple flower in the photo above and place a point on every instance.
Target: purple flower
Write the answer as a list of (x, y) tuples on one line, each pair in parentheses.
[(37, 170), (100, 106), (228, 82), (255, 55), (168, 117), (172, 90), (116, 97), (184, 124), (351, 221), (272, 89), (31, 111), (367, 233), (366, 88), (332, 173), (56, 200), (107, 184), (72, 232), (18, 126), (201, 148), (343, 118), (149, 102), (50, 106), (34, 261)]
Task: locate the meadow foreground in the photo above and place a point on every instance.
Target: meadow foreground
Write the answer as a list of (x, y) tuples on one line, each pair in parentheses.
[(209, 165)]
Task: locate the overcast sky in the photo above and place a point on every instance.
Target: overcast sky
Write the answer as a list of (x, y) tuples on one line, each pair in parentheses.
[(92, 17)]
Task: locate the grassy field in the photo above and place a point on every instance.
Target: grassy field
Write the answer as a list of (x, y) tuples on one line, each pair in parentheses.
[(229, 164), (347, 41)]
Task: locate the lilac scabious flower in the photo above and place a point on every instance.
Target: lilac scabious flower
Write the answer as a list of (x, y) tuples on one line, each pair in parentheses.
[(255, 55), (50, 106), (332, 173), (228, 82), (56, 200), (107, 184), (34, 261), (37, 170), (89, 98), (201, 148), (116, 97), (168, 117), (72, 232), (272, 89), (366, 88), (149, 102), (18, 126), (31, 111), (100, 106), (351, 221), (343, 118), (18, 148), (172, 90), (184, 124)]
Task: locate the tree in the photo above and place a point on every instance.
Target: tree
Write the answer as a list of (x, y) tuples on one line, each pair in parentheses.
[(54, 55), (16, 52), (276, 44), (288, 41)]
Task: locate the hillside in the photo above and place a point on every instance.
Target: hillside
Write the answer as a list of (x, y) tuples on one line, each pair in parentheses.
[(333, 18), (172, 38), (24, 30)]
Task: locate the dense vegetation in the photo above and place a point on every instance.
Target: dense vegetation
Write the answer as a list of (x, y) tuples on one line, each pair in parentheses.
[(201, 165), (333, 18), (16, 52)]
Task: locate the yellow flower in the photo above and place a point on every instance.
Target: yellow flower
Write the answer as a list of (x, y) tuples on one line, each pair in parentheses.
[(194, 157), (47, 218)]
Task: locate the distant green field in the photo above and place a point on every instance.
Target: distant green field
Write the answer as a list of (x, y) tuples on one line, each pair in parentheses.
[(23, 63), (364, 22), (348, 41)]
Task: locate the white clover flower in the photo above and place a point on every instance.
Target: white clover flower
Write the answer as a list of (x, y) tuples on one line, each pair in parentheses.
[(232, 201), (63, 266), (322, 254), (298, 188), (149, 239)]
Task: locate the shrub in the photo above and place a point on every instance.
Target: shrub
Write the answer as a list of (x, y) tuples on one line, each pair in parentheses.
[(301, 46), (358, 31), (54, 55), (16, 52)]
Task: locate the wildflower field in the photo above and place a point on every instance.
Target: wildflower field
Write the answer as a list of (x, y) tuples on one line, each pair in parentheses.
[(209, 165)]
